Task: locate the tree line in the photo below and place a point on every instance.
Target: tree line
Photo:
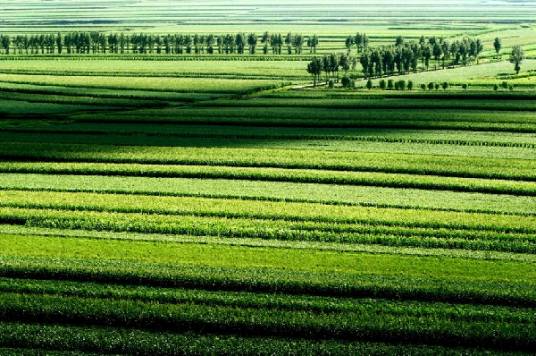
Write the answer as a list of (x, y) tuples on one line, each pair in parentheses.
[(121, 43), (401, 58), (404, 57)]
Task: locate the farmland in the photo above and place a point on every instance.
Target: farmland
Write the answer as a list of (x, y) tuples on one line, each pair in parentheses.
[(196, 203)]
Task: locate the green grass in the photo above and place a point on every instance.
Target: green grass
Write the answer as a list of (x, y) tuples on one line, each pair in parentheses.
[(188, 85), (277, 69)]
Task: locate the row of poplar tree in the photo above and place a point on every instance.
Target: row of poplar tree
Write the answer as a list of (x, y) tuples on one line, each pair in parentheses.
[(120, 43), (401, 58), (404, 57)]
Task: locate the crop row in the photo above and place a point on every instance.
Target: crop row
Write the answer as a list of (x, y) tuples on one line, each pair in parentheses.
[(500, 151), (271, 229), (490, 104), (277, 192), (262, 269), (133, 94), (367, 145), (329, 115), (312, 304), (78, 100), (156, 75), (203, 85), (521, 122), (407, 95), (131, 341), (443, 165), (365, 322), (234, 208), (21, 230), (121, 133), (277, 175)]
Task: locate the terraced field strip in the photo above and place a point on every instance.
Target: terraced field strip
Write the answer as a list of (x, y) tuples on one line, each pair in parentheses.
[(405, 163), (165, 133), (497, 186), (172, 84), (208, 217), (471, 120)]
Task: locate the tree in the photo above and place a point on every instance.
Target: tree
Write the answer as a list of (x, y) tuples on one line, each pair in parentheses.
[(369, 84), (349, 43), (365, 63), (431, 86), (410, 85), (288, 42), (445, 85), (240, 43), (210, 43), (427, 55), (334, 66), (390, 84), (446, 51), (314, 42), (59, 43), (358, 41), (423, 86), (437, 51), (479, 49), (315, 68), (517, 57), (497, 44), (345, 63), (265, 40), (252, 42), (297, 42), (5, 42)]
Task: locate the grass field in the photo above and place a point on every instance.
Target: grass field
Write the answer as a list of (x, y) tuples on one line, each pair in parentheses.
[(225, 206)]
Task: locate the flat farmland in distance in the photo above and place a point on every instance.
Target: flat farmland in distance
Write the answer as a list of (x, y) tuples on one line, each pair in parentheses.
[(211, 203)]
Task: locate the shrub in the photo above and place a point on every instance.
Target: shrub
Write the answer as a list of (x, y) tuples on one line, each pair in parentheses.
[(504, 85), (496, 87), (465, 86), (423, 86), (431, 86), (410, 85), (445, 85), (369, 84), (331, 84), (383, 84), (347, 82), (390, 84), (511, 87), (437, 86), (402, 85)]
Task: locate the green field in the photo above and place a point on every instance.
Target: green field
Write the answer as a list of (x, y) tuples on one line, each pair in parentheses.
[(221, 204)]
